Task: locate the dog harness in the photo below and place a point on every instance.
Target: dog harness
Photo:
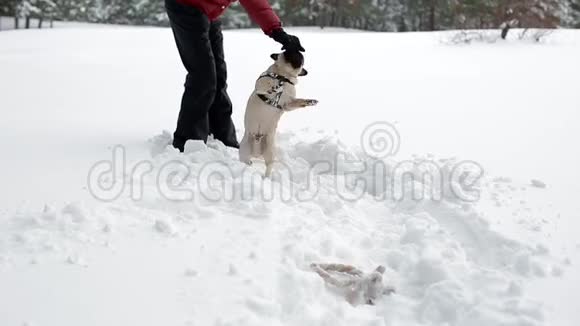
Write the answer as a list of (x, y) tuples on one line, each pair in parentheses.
[(276, 90)]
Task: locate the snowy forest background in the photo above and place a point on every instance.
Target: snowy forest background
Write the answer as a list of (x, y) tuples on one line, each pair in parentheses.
[(376, 15)]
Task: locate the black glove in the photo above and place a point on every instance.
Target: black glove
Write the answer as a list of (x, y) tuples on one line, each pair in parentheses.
[(289, 42)]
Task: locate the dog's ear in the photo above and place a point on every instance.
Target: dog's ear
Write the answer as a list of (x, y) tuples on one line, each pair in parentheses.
[(303, 72), (275, 56)]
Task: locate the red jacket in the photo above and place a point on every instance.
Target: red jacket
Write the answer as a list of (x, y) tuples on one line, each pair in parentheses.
[(259, 10)]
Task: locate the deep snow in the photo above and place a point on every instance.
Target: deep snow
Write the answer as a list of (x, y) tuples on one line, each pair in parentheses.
[(69, 95)]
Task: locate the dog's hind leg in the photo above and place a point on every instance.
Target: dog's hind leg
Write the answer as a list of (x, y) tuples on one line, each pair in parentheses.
[(245, 149), (341, 268), (324, 272), (268, 153)]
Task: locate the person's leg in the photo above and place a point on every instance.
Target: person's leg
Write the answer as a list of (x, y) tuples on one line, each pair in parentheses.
[(191, 30), (220, 114)]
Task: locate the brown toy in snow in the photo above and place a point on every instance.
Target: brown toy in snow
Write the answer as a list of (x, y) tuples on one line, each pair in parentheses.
[(357, 287)]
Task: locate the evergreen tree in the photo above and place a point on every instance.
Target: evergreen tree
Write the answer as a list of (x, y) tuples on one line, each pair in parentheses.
[(46, 10), (573, 16), (27, 9), (6, 7)]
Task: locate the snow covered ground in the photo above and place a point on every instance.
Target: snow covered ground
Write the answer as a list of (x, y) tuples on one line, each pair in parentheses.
[(199, 254)]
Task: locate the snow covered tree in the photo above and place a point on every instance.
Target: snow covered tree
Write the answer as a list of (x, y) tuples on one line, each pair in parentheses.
[(423, 14), (532, 13), (5, 7), (236, 17), (380, 15), (71, 9), (507, 14), (152, 12), (9, 8), (47, 10), (321, 12), (27, 9), (390, 15), (573, 13)]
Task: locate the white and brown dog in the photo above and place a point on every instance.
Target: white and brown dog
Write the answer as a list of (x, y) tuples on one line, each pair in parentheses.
[(275, 93)]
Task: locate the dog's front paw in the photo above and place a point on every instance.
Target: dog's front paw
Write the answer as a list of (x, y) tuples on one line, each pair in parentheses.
[(310, 102)]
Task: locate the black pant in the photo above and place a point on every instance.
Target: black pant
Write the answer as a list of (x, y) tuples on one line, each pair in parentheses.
[(205, 107)]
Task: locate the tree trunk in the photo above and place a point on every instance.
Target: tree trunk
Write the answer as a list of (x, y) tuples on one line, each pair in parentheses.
[(432, 16), (27, 23), (51, 23), (505, 31), (16, 23), (40, 22), (332, 17)]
